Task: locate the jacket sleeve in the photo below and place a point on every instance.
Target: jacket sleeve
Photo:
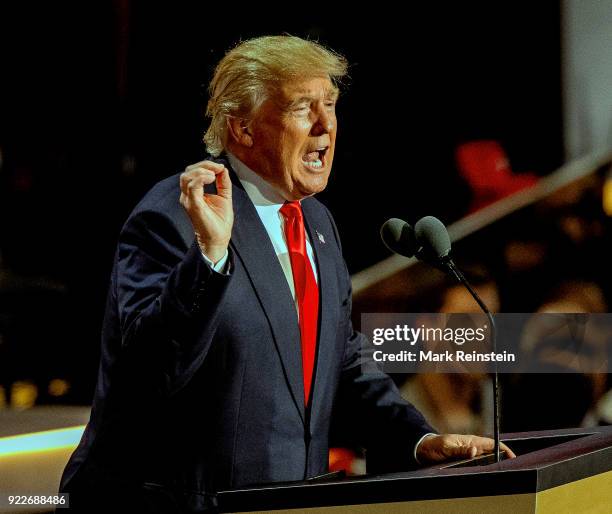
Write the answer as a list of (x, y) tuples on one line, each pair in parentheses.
[(369, 408), (168, 301)]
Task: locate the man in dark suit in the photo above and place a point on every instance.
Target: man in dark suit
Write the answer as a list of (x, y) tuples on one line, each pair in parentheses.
[(227, 345)]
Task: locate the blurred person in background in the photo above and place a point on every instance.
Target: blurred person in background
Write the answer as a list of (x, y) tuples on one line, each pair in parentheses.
[(564, 392), (227, 343)]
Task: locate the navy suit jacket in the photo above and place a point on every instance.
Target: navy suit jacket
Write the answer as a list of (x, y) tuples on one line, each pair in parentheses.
[(200, 383)]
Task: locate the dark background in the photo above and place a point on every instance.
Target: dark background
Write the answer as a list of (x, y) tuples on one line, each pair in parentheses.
[(101, 100)]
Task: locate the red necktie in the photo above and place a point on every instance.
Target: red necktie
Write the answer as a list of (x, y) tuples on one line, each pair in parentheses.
[(306, 290)]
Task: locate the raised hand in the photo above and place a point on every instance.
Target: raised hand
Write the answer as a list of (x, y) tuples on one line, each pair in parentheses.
[(212, 215)]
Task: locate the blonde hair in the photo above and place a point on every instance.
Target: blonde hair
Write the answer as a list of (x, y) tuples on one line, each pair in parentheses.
[(251, 71)]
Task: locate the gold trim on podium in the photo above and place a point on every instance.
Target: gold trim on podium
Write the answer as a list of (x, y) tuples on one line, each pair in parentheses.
[(592, 495)]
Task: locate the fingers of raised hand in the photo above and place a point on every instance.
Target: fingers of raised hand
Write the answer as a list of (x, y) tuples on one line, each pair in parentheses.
[(193, 180), (215, 167), (224, 184)]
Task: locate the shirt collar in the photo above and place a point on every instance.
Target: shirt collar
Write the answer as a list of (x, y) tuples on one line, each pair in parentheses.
[(261, 192)]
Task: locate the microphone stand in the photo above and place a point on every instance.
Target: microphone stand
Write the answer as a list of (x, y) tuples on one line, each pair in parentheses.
[(433, 246), (450, 266)]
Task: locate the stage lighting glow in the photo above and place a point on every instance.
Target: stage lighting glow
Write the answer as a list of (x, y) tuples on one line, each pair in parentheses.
[(607, 195), (47, 440)]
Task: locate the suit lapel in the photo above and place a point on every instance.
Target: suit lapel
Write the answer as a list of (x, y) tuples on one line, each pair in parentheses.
[(254, 248), (321, 242)]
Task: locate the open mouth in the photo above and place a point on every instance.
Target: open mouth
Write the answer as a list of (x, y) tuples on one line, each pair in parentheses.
[(315, 159)]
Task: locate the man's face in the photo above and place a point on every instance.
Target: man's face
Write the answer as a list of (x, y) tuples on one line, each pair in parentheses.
[(294, 134)]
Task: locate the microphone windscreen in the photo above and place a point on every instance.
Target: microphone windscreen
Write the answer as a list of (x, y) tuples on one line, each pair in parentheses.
[(398, 237), (432, 235)]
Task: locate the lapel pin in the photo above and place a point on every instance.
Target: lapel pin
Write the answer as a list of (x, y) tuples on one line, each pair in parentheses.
[(320, 236)]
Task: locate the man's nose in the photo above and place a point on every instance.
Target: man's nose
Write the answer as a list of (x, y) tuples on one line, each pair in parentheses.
[(324, 122)]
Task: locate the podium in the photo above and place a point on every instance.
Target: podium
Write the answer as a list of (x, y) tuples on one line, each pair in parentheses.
[(554, 472)]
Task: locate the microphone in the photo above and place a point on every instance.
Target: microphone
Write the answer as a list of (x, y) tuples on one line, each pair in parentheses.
[(431, 233), (429, 241), (398, 237), (433, 241)]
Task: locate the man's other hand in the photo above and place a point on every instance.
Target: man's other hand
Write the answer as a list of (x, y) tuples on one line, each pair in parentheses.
[(212, 216), (436, 448)]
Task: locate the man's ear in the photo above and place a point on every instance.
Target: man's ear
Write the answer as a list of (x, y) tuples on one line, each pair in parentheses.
[(240, 131)]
